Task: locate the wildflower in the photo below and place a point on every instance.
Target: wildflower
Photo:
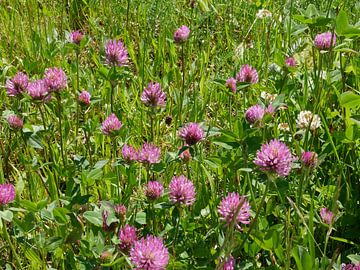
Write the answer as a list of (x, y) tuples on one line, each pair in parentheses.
[(325, 40), (254, 114), (7, 193), (17, 85), (153, 96), (55, 79), (15, 122), (290, 62), (76, 37), (229, 264), (127, 237), (191, 133), (111, 125), (247, 74), (120, 210), (263, 13), (128, 153), (284, 127), (350, 266), (149, 153), (306, 119), (327, 216), (38, 90), (231, 84), (84, 98), (185, 155), (154, 190), (182, 191), (181, 34), (309, 159), (270, 110), (268, 97), (149, 254), (116, 53), (275, 157), (234, 205)]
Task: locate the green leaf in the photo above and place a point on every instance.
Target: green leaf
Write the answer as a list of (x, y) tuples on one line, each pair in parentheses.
[(141, 218), (6, 215), (355, 119), (60, 215), (343, 28), (33, 257), (354, 258), (94, 218), (349, 99), (53, 242)]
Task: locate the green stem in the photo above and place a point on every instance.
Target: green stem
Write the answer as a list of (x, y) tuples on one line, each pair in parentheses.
[(230, 110), (176, 230), (151, 114), (300, 190), (182, 85), (112, 90), (13, 250), (60, 131), (257, 212), (118, 175), (75, 96)]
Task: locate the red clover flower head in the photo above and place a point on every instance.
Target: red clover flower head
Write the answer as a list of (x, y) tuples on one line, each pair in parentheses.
[(247, 74), (17, 85), (154, 190), (326, 215), (15, 122), (120, 210), (181, 34), (350, 266), (254, 114), (111, 125), (76, 37), (309, 159), (270, 110), (129, 153), (116, 53), (127, 237), (149, 253), (231, 84), (185, 155), (38, 90), (229, 264), (234, 205), (153, 96), (84, 98), (55, 79), (7, 193), (191, 133), (290, 62), (149, 153), (275, 157), (325, 41), (182, 191)]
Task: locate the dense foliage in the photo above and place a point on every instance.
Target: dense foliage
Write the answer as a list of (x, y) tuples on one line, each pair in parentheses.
[(193, 134)]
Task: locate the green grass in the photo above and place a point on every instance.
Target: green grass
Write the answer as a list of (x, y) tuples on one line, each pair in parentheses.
[(55, 221)]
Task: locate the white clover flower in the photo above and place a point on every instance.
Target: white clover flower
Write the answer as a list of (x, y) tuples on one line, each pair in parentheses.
[(267, 96), (306, 118), (284, 127), (263, 13)]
